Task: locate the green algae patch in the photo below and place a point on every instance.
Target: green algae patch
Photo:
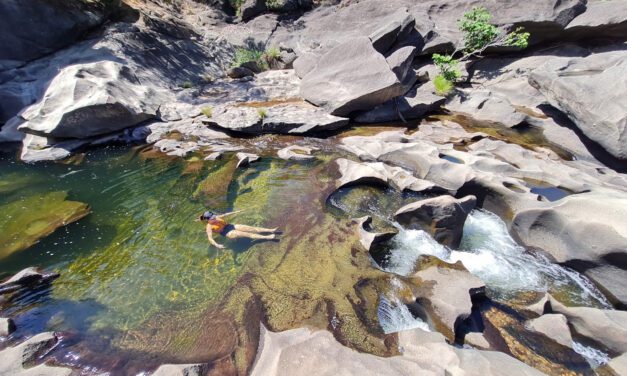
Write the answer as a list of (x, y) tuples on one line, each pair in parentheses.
[(26, 221), (213, 190)]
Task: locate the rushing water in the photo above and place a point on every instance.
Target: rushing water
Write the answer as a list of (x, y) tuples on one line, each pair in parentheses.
[(488, 251)]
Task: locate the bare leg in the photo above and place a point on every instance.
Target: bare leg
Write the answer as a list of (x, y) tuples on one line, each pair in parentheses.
[(237, 234), (245, 228)]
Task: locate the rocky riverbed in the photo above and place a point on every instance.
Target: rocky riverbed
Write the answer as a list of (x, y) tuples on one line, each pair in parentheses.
[(482, 232)]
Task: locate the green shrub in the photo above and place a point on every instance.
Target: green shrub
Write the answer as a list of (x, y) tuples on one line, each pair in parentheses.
[(447, 66), (243, 55), (274, 4), (262, 113), (236, 4), (273, 53), (478, 35), (442, 86), (187, 85), (207, 111)]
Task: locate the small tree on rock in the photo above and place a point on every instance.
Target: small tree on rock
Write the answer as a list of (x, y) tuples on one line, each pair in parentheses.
[(478, 35)]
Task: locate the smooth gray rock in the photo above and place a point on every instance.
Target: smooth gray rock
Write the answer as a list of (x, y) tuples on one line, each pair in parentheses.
[(244, 159), (356, 173), (611, 280), (287, 118), (181, 370), (91, 99), (554, 326), (7, 326), (619, 364), (563, 228), (305, 63), (607, 327), (400, 62), (15, 358), (602, 18), (477, 340), (488, 107), (413, 105), (590, 91), (371, 240), (296, 153), (397, 24), (337, 85), (34, 29), (449, 292), (176, 148), (442, 216), (301, 352)]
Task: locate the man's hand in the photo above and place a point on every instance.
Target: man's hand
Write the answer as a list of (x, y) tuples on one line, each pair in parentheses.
[(219, 246)]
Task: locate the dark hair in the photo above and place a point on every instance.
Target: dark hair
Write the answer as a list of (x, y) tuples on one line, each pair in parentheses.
[(207, 215)]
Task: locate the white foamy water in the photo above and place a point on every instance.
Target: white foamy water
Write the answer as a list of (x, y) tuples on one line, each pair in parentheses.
[(489, 252), (394, 316), (594, 357)]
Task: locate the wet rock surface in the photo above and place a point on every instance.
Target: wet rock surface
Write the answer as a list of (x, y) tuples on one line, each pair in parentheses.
[(442, 216)]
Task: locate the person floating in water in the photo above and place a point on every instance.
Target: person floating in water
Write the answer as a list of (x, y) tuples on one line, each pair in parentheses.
[(217, 224)]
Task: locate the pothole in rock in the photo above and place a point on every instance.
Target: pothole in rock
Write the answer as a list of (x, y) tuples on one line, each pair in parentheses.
[(546, 191)]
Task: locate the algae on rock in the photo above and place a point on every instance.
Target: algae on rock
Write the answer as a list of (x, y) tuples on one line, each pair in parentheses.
[(26, 221)]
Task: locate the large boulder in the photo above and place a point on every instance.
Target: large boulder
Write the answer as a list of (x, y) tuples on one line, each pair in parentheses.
[(39, 27), (442, 216), (590, 91), (351, 77), (602, 19), (250, 9), (91, 99)]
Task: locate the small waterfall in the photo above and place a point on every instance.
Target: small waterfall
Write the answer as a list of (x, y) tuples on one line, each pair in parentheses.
[(394, 316), (489, 252), (594, 357)]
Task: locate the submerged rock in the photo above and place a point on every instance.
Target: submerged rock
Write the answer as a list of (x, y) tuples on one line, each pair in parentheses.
[(26, 221), (442, 216), (26, 278)]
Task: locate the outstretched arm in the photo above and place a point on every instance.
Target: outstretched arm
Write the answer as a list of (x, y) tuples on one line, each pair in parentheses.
[(230, 213), (210, 237)]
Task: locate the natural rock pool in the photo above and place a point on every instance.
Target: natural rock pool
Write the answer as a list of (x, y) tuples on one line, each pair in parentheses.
[(139, 285)]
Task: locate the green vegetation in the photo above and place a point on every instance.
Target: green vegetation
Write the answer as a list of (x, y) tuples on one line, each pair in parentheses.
[(262, 112), (207, 111), (478, 35), (274, 4), (208, 78), (187, 85), (264, 60), (443, 86), (243, 56)]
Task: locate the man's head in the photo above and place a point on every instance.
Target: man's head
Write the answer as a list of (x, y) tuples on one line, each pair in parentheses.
[(207, 216)]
